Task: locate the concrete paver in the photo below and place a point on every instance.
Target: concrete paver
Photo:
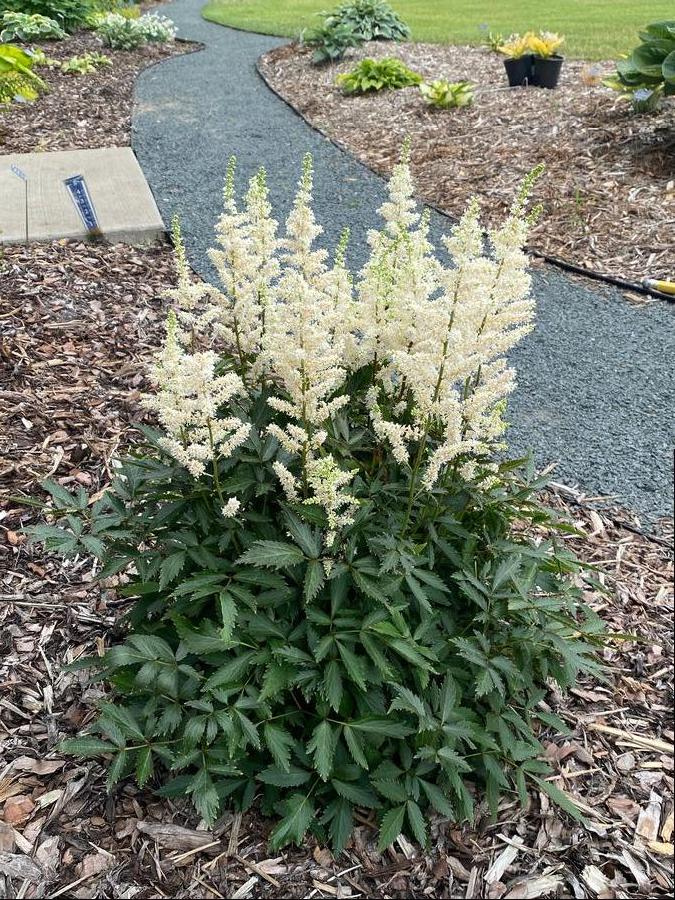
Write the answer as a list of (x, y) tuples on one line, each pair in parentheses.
[(120, 194)]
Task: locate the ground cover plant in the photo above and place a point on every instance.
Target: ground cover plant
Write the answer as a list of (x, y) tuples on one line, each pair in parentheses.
[(334, 608), (595, 29), (123, 33)]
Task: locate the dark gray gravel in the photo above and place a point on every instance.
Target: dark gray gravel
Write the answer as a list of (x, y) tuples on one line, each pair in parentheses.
[(595, 388)]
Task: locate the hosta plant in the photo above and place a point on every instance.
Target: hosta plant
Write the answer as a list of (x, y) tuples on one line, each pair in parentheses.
[(331, 42), (70, 14), (16, 26), (339, 606), (17, 79), (377, 75), (648, 73), (444, 94), (86, 64), (371, 20)]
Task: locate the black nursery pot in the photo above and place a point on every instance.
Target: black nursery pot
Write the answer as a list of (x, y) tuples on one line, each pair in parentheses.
[(519, 71), (546, 72)]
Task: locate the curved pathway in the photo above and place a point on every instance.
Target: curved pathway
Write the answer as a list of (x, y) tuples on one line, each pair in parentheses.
[(595, 387)]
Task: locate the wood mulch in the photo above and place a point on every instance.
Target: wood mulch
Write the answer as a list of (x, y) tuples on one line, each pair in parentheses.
[(609, 187), (79, 323), (82, 111)]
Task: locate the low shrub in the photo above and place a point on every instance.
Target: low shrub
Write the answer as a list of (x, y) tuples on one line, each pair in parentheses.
[(377, 75), (121, 33), (85, 64), (15, 26), (17, 79), (337, 602), (444, 94), (543, 44)]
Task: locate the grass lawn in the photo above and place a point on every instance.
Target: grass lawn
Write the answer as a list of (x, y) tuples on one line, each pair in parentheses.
[(595, 29)]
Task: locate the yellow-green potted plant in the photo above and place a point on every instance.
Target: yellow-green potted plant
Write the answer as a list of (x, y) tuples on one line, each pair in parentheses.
[(546, 61), (518, 62)]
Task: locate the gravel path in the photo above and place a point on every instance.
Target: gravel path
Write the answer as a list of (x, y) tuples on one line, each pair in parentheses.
[(595, 388)]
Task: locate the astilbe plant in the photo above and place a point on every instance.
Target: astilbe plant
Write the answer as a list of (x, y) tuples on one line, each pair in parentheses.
[(337, 604)]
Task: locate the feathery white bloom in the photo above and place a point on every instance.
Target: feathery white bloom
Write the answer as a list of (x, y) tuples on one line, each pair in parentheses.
[(231, 508), (288, 481), (189, 404), (303, 344), (246, 264), (326, 479)]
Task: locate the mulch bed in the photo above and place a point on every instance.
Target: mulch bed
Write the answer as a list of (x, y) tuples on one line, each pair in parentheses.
[(609, 186), (82, 111), (80, 322)]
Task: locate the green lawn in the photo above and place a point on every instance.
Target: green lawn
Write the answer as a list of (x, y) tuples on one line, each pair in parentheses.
[(595, 29)]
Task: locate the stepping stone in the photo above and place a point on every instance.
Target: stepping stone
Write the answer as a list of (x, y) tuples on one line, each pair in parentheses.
[(123, 202)]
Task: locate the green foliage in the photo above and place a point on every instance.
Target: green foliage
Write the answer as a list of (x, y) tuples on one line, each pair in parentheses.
[(122, 33), (17, 80), (330, 42), (412, 669), (370, 20), (70, 14), (493, 40), (17, 26), (444, 94), (648, 73), (376, 75), (353, 24), (85, 64)]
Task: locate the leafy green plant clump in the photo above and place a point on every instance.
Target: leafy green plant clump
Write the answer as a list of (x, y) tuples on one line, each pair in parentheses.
[(377, 75), (70, 14), (371, 20), (15, 26), (353, 24), (337, 607), (648, 74), (86, 64), (122, 33), (444, 94), (17, 79)]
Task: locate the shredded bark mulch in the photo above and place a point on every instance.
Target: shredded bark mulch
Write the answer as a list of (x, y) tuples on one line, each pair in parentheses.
[(609, 186), (79, 322), (81, 111)]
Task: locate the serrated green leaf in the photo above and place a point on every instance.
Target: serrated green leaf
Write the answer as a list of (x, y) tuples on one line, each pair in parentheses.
[(144, 767), (86, 746), (353, 665), (437, 799), (296, 821), (314, 580), (272, 554), (390, 827), (355, 793), (341, 824), (322, 746), (560, 798), (171, 568), (228, 615), (355, 747), (116, 769), (279, 742), (294, 777), (416, 822), (332, 684)]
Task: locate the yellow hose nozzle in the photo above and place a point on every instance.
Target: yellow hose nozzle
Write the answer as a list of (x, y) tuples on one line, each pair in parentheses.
[(665, 287)]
